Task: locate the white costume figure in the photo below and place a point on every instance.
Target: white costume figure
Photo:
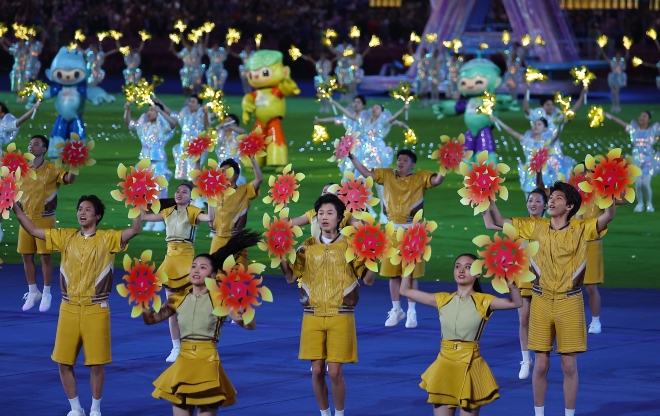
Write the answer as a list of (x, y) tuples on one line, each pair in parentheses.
[(33, 65), (132, 73), (242, 68), (193, 69), (529, 145), (192, 124), (95, 59), (17, 75), (454, 64), (8, 129), (216, 75)]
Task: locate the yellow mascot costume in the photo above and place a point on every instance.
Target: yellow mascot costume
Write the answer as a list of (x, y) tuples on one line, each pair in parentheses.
[(272, 82)]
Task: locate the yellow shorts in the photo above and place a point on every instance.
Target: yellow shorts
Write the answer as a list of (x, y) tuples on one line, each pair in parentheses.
[(525, 289), (30, 245), (387, 269), (330, 338), (557, 318), (218, 242), (594, 272), (86, 326)]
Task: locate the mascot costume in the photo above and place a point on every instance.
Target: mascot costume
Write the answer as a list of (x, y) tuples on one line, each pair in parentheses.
[(474, 79), (272, 82)]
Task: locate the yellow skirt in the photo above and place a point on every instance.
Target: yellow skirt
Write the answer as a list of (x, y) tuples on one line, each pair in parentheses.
[(459, 377), (176, 265), (594, 272), (196, 378)]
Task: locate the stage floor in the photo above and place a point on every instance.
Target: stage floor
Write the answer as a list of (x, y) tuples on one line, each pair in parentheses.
[(618, 375)]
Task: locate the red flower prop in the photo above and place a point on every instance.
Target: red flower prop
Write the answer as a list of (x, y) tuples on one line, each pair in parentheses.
[(539, 159), (578, 176), (279, 238), (74, 153), (609, 177), (195, 148), (16, 161), (142, 283), (504, 258), (451, 153), (284, 188), (412, 244), (139, 188), (212, 183), (369, 242), (254, 144), (238, 290), (355, 193), (482, 181), (9, 193), (344, 146)]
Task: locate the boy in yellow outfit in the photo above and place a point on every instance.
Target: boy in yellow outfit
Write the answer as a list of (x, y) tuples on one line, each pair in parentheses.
[(88, 256), (557, 308)]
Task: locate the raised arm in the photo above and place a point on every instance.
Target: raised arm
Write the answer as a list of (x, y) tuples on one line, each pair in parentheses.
[(140, 47), (616, 120), (603, 54), (167, 117), (324, 120), (506, 128), (580, 100), (605, 218), (398, 113), (210, 217), (498, 219), (165, 108), (151, 217), (150, 317), (348, 114), (258, 176), (513, 302), (127, 114), (488, 221), (27, 224), (300, 221), (25, 116), (360, 167), (526, 107), (135, 228), (436, 179), (415, 294)]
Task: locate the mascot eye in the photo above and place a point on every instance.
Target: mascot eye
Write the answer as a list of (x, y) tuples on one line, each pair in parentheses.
[(463, 82), (58, 74), (266, 72), (479, 82), (76, 74)]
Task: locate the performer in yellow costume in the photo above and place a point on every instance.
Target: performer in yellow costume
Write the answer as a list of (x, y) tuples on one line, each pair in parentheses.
[(594, 273), (404, 196), (39, 202), (197, 379), (88, 256), (181, 220), (329, 293), (557, 308), (459, 377), (272, 82), (309, 217), (231, 211)]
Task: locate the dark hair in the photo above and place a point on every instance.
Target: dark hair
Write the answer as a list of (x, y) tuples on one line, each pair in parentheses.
[(544, 121), (572, 196), (159, 105), (234, 117), (99, 208), (541, 192), (649, 113), (232, 164), (199, 100), (382, 107), (239, 241), (43, 139), (329, 183), (334, 200), (409, 153), (476, 286), (4, 108), (170, 202), (544, 98)]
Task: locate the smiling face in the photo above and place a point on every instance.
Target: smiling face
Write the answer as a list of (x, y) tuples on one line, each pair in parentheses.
[(535, 205), (201, 269), (37, 148), (182, 195), (473, 86), (327, 218), (193, 104), (462, 274), (87, 217), (539, 127), (557, 205), (404, 165)]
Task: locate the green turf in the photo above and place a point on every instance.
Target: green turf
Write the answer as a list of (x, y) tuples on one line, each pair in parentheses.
[(630, 247)]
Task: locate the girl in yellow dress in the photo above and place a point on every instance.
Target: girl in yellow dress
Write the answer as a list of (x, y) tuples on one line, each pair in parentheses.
[(459, 377), (197, 379), (181, 220)]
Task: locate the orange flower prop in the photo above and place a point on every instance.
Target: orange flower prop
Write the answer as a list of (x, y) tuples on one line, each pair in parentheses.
[(238, 289), (539, 159), (139, 188), (142, 283), (195, 148), (578, 176), (369, 241), (504, 258), (344, 146), (17, 161), (413, 243), (482, 181), (212, 183), (279, 238), (75, 153), (609, 177), (451, 153), (284, 188), (355, 193), (254, 144), (9, 193)]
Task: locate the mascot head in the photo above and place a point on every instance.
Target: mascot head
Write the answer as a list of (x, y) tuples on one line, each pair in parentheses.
[(477, 76), (265, 69), (68, 67)]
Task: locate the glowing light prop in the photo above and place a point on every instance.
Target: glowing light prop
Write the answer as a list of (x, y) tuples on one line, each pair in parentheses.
[(36, 88), (526, 40), (609, 177), (627, 42), (212, 183), (404, 93), (602, 41), (238, 289), (412, 243), (17, 161), (79, 36), (253, 144), (482, 180), (233, 36), (652, 34), (143, 282), (9, 190), (115, 34), (75, 153), (102, 35), (596, 117), (374, 41), (506, 37), (637, 61), (180, 26), (344, 146), (431, 37), (504, 258), (415, 38), (208, 27), (144, 35), (355, 193), (354, 33), (325, 89), (125, 50), (279, 238), (534, 75), (409, 136), (3, 29), (539, 40), (408, 59), (139, 188), (320, 134), (284, 188), (369, 241), (142, 92), (451, 153), (564, 103), (257, 39), (294, 53), (215, 100), (174, 37)]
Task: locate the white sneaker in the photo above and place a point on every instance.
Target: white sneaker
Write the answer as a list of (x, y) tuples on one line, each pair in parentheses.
[(639, 208), (45, 302), (649, 208), (80, 412), (158, 226), (394, 316), (411, 320), (525, 367), (94, 413), (30, 299), (173, 354), (148, 226), (594, 328)]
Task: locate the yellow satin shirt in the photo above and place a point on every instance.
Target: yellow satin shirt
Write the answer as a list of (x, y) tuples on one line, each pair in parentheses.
[(39, 198), (180, 225), (315, 229), (231, 211), (403, 196)]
